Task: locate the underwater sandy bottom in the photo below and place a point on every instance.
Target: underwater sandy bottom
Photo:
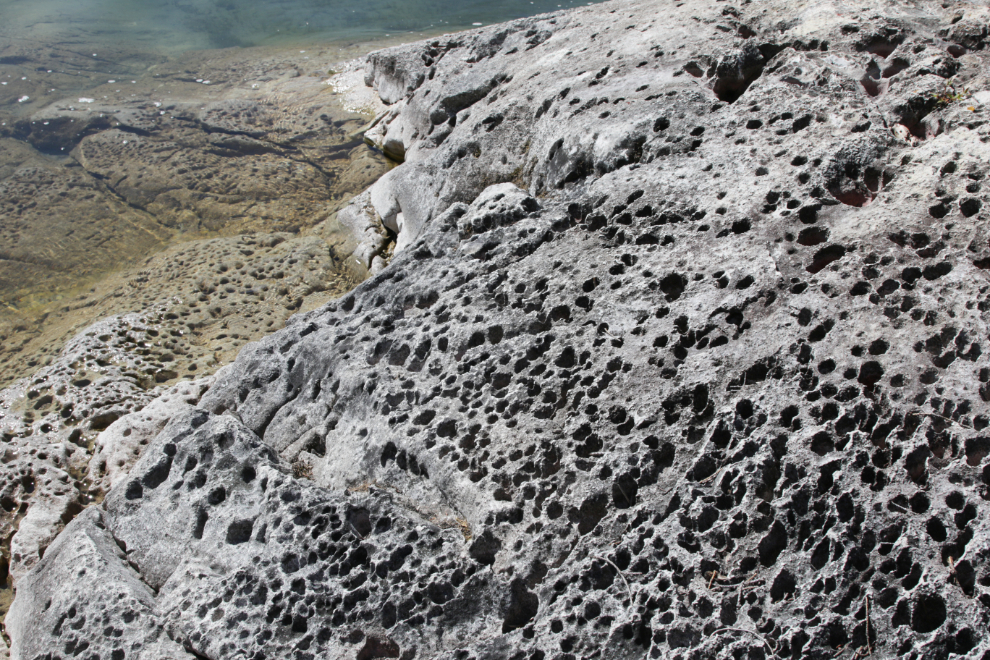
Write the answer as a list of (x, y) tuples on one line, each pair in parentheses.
[(84, 213)]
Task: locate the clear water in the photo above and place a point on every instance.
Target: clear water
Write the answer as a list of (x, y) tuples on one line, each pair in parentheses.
[(177, 25), (64, 233)]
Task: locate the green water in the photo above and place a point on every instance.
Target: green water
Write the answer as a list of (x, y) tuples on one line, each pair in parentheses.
[(177, 25)]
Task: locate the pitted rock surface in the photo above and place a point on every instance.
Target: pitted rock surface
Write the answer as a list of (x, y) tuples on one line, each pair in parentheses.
[(67, 432), (123, 612), (680, 355)]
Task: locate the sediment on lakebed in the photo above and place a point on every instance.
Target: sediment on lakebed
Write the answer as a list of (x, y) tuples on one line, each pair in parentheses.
[(678, 354)]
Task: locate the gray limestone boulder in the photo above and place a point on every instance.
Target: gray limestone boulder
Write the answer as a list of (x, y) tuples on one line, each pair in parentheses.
[(117, 448), (87, 596), (679, 355), (209, 500), (363, 223)]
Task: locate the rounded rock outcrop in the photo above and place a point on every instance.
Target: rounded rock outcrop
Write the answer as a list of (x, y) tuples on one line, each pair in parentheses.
[(610, 398)]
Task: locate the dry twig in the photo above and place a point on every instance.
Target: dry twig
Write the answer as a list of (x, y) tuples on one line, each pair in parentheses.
[(619, 571), (772, 649), (869, 647)]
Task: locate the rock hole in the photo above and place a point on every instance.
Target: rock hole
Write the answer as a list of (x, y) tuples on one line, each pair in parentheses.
[(976, 450), (239, 531), (360, 520), (592, 510), (485, 548), (624, 491), (970, 206), (783, 585), (826, 256), (673, 286), (158, 474), (734, 74), (870, 373), (375, 647), (523, 606), (928, 614), (813, 236), (217, 496), (200, 524), (134, 491), (822, 443), (773, 544)]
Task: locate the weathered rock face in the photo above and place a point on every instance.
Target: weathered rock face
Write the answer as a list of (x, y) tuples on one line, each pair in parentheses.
[(67, 432), (680, 355), (49, 424), (125, 606)]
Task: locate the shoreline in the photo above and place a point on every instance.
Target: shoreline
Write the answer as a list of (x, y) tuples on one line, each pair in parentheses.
[(170, 237), (24, 319)]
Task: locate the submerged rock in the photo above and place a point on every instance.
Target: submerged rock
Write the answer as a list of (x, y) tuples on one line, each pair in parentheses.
[(679, 356), (92, 188)]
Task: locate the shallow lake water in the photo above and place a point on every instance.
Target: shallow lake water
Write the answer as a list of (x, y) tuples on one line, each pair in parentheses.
[(110, 153), (176, 25)]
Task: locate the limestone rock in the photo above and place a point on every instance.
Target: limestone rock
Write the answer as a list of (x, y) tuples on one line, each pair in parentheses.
[(405, 199), (365, 226), (681, 357), (89, 598), (117, 448), (241, 512), (46, 425), (46, 517)]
